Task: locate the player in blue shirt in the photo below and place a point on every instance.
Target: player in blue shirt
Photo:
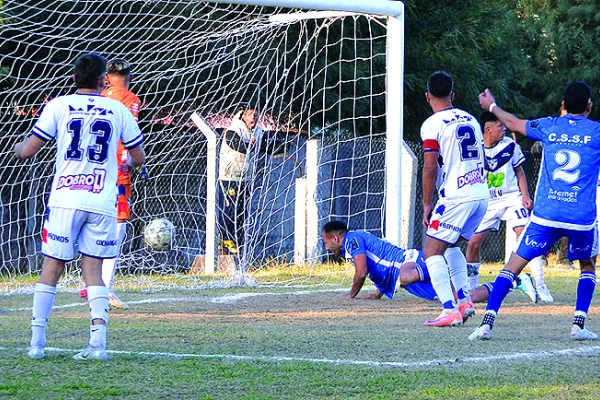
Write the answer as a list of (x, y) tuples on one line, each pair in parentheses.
[(565, 200), (389, 266)]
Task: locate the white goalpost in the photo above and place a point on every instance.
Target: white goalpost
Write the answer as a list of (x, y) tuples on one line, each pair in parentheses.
[(325, 76)]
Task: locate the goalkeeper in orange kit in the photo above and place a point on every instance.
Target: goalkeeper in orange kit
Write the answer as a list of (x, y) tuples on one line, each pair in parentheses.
[(118, 78)]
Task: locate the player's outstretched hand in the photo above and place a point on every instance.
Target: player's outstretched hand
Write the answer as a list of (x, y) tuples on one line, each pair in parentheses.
[(143, 171), (486, 99)]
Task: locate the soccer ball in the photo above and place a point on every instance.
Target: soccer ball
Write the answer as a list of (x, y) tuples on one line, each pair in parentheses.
[(159, 234)]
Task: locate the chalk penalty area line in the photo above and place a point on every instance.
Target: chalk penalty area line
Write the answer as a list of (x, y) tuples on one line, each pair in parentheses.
[(224, 299), (528, 356)]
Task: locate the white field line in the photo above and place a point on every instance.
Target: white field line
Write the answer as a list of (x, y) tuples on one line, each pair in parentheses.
[(535, 355), (226, 298)]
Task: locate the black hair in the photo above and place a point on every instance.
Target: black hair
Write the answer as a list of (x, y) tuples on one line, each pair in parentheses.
[(335, 227), (119, 66), (88, 70), (486, 117), (577, 96), (440, 84)]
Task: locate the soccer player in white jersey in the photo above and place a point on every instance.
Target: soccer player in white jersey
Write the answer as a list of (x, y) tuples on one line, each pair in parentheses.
[(81, 208), (454, 162), (564, 201), (509, 200)]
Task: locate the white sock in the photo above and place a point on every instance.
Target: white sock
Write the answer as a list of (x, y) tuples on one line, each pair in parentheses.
[(109, 265), (43, 300), (473, 274), (440, 279), (457, 264), (537, 270), (98, 302), (98, 335)]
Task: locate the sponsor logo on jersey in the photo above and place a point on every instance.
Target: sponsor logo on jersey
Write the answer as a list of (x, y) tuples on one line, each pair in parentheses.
[(51, 236), (106, 242), (534, 243), (458, 118), (437, 224), (91, 109), (470, 178), (578, 249), (91, 182), (354, 244), (534, 124), (569, 197)]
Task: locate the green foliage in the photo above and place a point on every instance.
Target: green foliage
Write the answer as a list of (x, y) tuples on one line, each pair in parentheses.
[(563, 39), (478, 43)]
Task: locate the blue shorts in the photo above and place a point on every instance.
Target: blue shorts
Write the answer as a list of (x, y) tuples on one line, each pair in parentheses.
[(423, 290), (536, 240)]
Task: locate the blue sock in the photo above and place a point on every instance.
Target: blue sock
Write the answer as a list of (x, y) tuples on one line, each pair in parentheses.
[(449, 305), (585, 291), (423, 274), (489, 286), (502, 285)]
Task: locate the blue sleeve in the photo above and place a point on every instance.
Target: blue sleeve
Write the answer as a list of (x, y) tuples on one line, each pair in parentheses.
[(535, 128), (355, 244)]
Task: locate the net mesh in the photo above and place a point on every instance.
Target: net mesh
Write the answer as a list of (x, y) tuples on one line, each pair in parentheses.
[(311, 79)]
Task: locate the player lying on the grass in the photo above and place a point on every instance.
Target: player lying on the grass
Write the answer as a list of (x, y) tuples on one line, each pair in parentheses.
[(565, 200), (390, 267)]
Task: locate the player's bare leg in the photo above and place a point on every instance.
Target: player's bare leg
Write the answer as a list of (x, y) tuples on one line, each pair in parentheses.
[(98, 303), (43, 300), (474, 258)]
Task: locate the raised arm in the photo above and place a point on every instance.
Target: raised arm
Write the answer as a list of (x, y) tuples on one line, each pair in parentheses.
[(28, 147), (512, 123)]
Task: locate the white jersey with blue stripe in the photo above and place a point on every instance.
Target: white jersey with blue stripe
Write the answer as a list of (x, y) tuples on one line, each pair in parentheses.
[(566, 192), (383, 258), (501, 161), (87, 129)]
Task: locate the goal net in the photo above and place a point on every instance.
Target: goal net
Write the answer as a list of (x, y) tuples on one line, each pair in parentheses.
[(318, 82)]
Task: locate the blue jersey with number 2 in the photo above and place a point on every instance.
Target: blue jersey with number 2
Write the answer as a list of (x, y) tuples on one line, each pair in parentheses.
[(566, 190)]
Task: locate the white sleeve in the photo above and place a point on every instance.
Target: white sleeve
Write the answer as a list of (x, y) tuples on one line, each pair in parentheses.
[(131, 134), (46, 126), (428, 132), (518, 157)]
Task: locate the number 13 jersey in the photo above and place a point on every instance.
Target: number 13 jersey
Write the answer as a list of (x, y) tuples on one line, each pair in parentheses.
[(566, 192), (456, 135), (87, 129)]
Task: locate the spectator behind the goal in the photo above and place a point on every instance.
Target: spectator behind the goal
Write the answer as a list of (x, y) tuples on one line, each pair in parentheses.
[(118, 78), (391, 267), (243, 138), (81, 207), (564, 202)]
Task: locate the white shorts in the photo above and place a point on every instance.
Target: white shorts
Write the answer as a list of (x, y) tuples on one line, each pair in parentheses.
[(510, 210), (96, 234), (450, 221)]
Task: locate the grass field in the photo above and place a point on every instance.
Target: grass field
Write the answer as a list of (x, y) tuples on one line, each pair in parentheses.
[(290, 342)]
